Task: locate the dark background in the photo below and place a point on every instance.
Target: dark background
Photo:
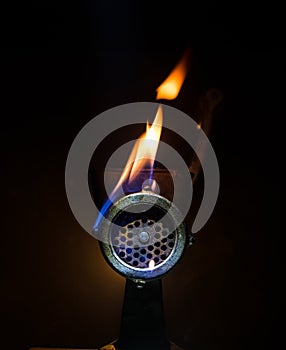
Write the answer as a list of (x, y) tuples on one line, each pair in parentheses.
[(63, 62)]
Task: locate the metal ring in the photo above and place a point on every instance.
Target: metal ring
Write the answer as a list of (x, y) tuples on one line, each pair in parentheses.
[(170, 212)]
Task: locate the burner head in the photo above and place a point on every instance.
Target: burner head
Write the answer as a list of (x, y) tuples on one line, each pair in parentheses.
[(144, 236)]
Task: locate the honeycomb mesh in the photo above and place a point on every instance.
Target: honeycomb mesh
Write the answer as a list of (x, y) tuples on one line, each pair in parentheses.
[(141, 241)]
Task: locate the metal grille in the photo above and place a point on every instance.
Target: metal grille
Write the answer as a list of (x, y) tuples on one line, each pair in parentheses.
[(142, 241)]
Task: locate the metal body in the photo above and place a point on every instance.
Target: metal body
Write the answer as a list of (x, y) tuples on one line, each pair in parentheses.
[(143, 322), (149, 237)]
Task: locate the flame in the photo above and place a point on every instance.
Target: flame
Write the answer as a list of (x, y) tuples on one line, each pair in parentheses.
[(171, 86), (144, 151), (141, 157), (151, 264), (147, 146)]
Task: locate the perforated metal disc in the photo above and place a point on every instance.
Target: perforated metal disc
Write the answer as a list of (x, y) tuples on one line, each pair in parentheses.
[(143, 244)]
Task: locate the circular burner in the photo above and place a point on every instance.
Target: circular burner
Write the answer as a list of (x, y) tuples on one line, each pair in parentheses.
[(146, 236)]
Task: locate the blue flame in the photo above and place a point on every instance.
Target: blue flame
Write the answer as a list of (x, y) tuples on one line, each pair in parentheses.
[(128, 187), (135, 185), (102, 212)]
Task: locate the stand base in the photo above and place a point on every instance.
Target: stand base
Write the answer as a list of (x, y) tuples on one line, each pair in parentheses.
[(106, 347), (142, 321)]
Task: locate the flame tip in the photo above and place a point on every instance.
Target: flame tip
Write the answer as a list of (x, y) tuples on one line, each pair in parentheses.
[(171, 86)]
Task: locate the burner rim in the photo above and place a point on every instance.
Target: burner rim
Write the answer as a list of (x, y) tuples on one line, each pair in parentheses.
[(173, 214)]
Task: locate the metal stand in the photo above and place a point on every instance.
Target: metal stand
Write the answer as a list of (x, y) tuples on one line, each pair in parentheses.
[(142, 323)]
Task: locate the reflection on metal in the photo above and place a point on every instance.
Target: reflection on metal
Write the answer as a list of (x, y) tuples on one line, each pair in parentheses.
[(108, 347)]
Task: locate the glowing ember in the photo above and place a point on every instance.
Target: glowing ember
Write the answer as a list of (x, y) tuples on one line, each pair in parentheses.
[(151, 264)]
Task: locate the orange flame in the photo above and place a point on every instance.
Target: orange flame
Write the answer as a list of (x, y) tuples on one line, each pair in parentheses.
[(147, 145), (171, 86), (144, 151)]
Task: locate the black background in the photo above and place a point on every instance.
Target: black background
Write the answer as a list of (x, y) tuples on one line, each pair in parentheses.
[(63, 62)]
